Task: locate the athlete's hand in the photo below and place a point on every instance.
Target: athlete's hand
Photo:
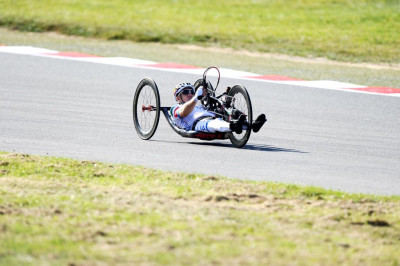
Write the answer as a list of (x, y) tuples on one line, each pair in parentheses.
[(199, 94)]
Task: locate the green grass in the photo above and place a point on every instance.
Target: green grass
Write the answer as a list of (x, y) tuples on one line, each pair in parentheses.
[(57, 211), (346, 30)]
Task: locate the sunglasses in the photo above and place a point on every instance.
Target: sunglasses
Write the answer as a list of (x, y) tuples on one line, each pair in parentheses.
[(187, 91)]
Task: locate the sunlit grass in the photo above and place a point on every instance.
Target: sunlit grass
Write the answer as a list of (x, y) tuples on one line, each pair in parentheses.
[(61, 211)]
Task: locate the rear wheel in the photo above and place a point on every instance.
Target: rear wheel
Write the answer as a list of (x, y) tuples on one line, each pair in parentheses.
[(240, 100), (146, 108)]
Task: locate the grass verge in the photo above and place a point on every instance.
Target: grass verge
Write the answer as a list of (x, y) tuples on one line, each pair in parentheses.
[(62, 211), (347, 30), (261, 63)]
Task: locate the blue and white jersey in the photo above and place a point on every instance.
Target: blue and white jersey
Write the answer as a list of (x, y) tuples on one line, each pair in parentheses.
[(187, 122)]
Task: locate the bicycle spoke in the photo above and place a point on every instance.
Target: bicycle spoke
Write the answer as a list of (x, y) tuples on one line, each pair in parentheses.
[(146, 117)]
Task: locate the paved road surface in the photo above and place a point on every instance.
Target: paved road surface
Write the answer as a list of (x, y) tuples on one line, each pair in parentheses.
[(338, 140)]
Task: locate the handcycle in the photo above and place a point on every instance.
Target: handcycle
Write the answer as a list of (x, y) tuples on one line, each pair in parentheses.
[(229, 106)]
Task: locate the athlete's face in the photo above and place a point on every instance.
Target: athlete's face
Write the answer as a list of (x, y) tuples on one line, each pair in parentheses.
[(186, 95)]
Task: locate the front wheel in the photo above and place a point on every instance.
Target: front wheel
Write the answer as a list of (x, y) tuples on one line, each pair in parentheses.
[(146, 108), (240, 100)]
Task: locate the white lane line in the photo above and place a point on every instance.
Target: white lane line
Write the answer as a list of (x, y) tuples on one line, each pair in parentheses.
[(179, 68)]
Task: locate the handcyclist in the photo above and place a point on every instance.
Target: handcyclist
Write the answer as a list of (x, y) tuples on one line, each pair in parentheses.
[(187, 115)]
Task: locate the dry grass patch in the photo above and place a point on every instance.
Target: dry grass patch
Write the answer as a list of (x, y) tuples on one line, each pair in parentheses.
[(261, 63)]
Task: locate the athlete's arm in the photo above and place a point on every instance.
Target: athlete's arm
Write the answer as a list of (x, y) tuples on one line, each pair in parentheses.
[(188, 107)]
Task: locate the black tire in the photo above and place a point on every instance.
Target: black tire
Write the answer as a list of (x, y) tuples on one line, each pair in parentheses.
[(146, 120), (242, 103)]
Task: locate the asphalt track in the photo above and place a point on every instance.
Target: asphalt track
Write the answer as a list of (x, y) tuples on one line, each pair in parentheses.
[(333, 139)]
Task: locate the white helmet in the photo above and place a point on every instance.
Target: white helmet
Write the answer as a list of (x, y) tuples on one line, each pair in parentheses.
[(180, 87)]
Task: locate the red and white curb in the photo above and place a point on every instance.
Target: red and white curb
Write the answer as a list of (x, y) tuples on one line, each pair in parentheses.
[(180, 68)]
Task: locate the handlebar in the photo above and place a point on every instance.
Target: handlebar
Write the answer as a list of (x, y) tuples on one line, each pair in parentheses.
[(205, 77), (209, 100)]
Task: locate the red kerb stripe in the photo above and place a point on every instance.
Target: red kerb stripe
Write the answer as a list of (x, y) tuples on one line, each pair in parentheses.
[(172, 65), (73, 54), (274, 77), (377, 89)]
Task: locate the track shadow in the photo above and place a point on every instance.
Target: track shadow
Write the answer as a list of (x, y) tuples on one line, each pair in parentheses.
[(259, 147), (254, 147)]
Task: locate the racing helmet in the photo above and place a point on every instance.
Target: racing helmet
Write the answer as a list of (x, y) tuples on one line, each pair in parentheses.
[(181, 86)]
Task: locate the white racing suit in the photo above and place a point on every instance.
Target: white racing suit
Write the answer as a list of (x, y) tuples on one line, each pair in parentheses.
[(199, 120)]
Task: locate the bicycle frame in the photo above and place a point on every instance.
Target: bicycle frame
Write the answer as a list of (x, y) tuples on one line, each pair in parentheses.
[(191, 133), (233, 106)]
